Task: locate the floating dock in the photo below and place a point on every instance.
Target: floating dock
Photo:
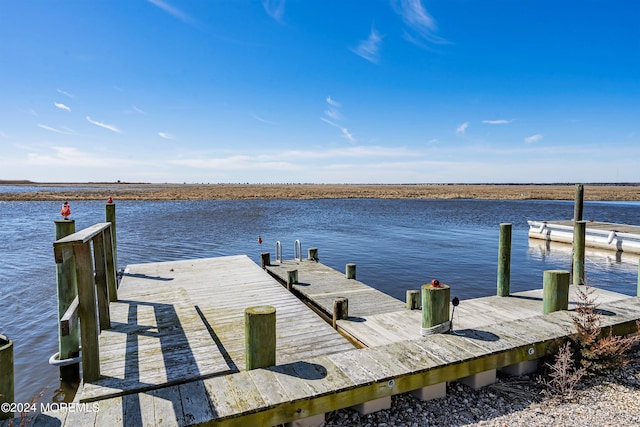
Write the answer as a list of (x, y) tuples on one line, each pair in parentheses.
[(175, 354), (601, 235)]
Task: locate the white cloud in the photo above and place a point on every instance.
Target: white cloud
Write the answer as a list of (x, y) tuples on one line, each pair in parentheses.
[(369, 48), (533, 138), (173, 11), (64, 131), (72, 157), (345, 131), (238, 162), (332, 102), (460, 130), (165, 135), (260, 119), (497, 122), (112, 128), (334, 114), (67, 94), (61, 106), (274, 8), (416, 17)]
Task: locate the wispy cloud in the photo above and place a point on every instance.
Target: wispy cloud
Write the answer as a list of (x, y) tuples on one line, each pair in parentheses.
[(64, 131), (333, 114), (418, 20), (369, 49), (260, 119), (61, 106), (67, 94), (3, 135), (165, 135), (112, 128), (460, 130), (274, 8), (533, 138), (332, 102), (497, 122), (173, 11), (135, 110), (345, 131)]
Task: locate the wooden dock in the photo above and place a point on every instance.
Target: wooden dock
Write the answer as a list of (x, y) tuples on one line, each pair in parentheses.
[(175, 352)]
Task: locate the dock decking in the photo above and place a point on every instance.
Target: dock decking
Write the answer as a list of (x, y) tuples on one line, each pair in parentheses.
[(158, 324)]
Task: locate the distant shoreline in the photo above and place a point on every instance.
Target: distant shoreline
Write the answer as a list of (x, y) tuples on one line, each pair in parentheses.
[(149, 191)]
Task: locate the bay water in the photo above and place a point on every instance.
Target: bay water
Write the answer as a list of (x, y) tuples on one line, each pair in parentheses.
[(396, 245)]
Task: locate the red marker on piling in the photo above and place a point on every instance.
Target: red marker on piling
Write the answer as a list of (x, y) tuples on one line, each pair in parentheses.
[(66, 210)]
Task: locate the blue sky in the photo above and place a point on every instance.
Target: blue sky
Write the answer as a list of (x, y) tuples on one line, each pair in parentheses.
[(376, 91)]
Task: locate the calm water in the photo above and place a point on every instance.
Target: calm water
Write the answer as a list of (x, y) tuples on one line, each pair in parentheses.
[(396, 244)]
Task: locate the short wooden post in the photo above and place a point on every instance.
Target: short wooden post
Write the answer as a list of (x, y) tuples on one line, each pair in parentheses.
[(6, 376), (413, 299), (87, 312), (100, 275), (555, 291), (313, 254), (340, 310), (435, 309), (638, 291), (292, 278), (110, 214), (265, 259), (579, 203), (68, 345), (260, 336), (579, 231), (504, 260), (350, 271)]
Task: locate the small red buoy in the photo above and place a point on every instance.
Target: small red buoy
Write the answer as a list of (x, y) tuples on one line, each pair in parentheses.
[(110, 200), (66, 210), (259, 239), (436, 283)]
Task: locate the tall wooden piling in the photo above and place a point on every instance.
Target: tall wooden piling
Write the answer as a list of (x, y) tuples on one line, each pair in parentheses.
[(68, 345), (6, 377), (435, 308), (504, 260), (579, 231), (340, 310), (260, 336), (350, 271), (265, 259), (110, 215), (579, 203), (555, 291), (413, 299)]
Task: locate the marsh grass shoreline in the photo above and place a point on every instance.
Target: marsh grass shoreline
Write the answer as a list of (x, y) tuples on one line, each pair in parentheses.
[(143, 191)]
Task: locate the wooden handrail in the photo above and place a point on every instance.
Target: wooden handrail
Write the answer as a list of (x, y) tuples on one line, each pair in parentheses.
[(69, 317), (82, 236)]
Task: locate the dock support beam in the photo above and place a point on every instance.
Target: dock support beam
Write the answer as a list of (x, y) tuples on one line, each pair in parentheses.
[(340, 310), (555, 291), (413, 299), (260, 336), (6, 376), (435, 308), (579, 231), (504, 260), (350, 271), (68, 345)]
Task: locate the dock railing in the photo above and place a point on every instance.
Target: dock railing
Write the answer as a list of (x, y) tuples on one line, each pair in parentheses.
[(92, 252)]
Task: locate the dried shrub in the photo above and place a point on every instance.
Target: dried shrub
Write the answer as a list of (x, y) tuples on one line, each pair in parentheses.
[(563, 375)]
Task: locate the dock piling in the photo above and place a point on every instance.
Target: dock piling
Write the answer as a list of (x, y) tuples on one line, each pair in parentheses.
[(413, 299), (313, 254), (265, 259), (504, 260), (435, 308), (6, 376), (292, 277), (638, 291), (68, 345), (555, 291), (579, 203), (350, 271), (579, 235), (110, 216), (260, 336), (340, 310)]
